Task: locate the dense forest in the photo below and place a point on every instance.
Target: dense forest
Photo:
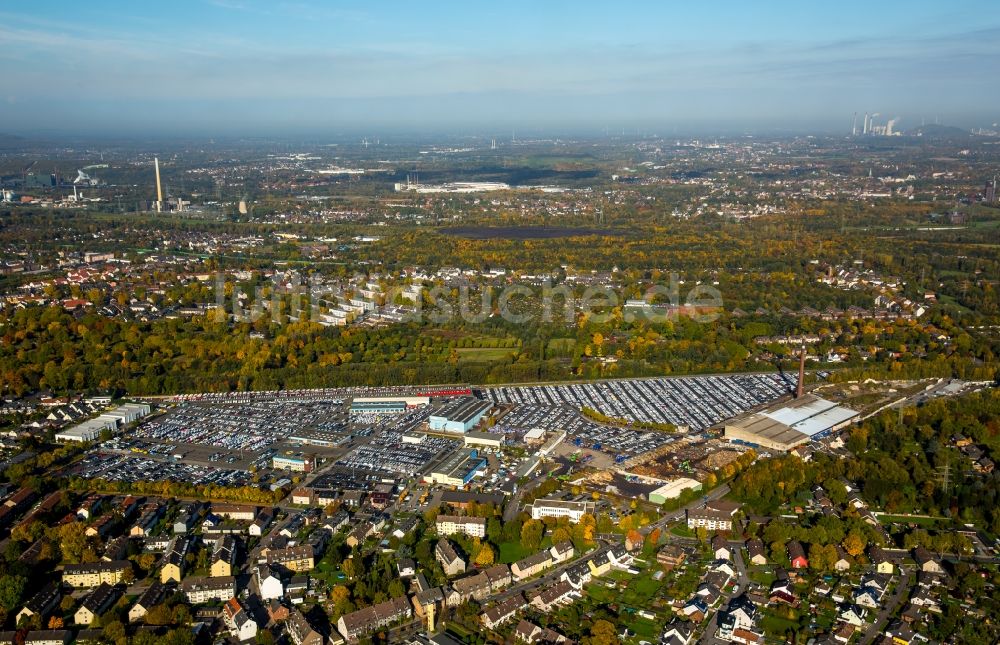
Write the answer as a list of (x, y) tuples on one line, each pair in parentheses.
[(50, 349)]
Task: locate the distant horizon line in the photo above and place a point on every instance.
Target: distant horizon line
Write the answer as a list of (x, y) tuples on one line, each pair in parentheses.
[(484, 131)]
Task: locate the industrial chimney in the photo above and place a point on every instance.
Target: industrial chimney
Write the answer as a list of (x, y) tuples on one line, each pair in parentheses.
[(159, 191), (802, 372)]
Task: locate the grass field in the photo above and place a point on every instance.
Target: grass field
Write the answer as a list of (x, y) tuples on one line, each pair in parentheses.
[(776, 626), (513, 551), (682, 530), (472, 354)]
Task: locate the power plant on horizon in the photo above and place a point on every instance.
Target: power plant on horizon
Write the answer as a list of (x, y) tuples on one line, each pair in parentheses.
[(171, 204), (870, 129)]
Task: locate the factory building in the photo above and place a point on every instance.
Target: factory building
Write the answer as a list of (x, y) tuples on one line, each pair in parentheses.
[(459, 469), (459, 416), (386, 405), (294, 461), (673, 489), (485, 439), (787, 425), (112, 421)]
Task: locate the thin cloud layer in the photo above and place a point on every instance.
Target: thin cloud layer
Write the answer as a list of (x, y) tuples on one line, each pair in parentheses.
[(232, 65)]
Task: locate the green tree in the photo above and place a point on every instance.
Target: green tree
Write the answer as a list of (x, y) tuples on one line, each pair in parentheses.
[(531, 534), (11, 590), (602, 632)]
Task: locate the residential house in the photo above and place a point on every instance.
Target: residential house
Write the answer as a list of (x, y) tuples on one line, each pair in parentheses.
[(276, 611), (339, 521), (531, 565), (303, 496), (902, 633), (503, 611), (406, 567), (444, 552), (294, 558), (187, 518), (695, 610), (260, 523), (241, 625), (844, 632), (842, 563), (527, 632), (452, 524), (97, 602), (147, 521), (755, 552), (852, 615), (723, 566), (499, 576), (796, 555), (300, 632), (359, 534), (269, 582), (41, 604), (237, 512), (737, 623), (297, 588), (49, 637), (92, 574), (404, 527), (720, 546), (717, 515), (200, 590), (370, 619), (677, 633), (881, 560), (175, 559), (555, 596), (223, 557), (102, 527), (783, 592), (90, 507), (869, 597), (116, 549), (562, 552), (577, 575), (671, 556), (927, 562), (708, 592), (153, 595), (476, 587)]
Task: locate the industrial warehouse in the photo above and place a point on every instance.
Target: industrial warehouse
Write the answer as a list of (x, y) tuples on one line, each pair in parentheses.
[(785, 426), (459, 416)]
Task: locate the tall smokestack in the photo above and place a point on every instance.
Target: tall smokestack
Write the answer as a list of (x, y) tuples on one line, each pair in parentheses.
[(865, 130), (159, 190), (802, 372), (854, 126)]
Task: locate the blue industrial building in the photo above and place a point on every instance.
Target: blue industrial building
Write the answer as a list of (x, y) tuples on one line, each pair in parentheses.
[(459, 415)]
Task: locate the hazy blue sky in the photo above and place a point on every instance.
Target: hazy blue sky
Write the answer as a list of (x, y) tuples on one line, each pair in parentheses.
[(242, 66)]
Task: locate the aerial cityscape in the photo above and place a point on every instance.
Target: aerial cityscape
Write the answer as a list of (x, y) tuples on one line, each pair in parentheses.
[(548, 323)]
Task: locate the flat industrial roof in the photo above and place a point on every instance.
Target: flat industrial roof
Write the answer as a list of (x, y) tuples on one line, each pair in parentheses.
[(810, 414), (462, 410), (674, 487), (796, 421)]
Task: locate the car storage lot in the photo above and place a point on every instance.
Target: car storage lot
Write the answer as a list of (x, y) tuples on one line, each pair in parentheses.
[(581, 432), (386, 452), (252, 425), (133, 468), (697, 402)]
